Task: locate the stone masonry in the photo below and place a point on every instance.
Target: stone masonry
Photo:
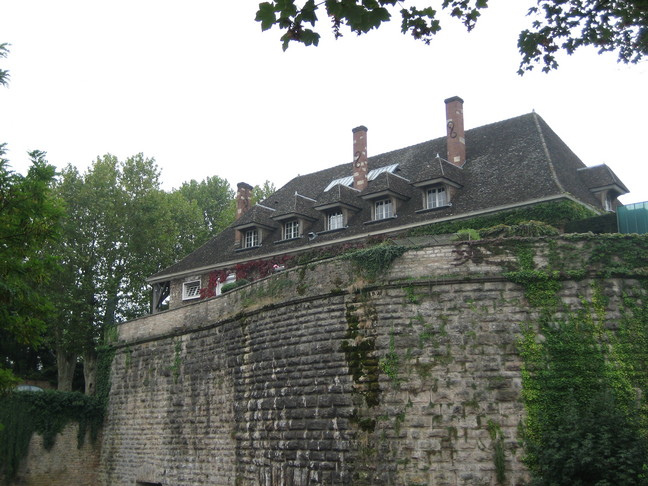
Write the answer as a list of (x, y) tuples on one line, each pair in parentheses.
[(65, 464), (318, 376)]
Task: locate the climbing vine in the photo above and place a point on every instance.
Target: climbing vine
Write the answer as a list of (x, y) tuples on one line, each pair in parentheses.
[(585, 423), (556, 214), (376, 260), (45, 413), (48, 412)]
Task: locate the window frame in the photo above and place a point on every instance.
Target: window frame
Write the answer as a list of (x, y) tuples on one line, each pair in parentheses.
[(291, 229), (251, 238), (336, 215), (436, 190), (187, 294), (384, 213)]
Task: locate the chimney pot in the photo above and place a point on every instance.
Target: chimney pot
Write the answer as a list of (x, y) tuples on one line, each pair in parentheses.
[(456, 140), (360, 164)]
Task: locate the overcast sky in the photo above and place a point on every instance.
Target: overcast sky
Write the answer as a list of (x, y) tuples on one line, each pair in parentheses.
[(199, 87)]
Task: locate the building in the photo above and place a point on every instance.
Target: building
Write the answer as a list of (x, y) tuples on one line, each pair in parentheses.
[(505, 165)]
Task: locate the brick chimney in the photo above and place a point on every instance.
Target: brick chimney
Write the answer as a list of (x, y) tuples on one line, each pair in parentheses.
[(243, 195), (360, 165), (455, 126)]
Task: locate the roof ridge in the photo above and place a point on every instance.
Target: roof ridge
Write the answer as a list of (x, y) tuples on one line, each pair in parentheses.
[(265, 207), (550, 162), (396, 175)]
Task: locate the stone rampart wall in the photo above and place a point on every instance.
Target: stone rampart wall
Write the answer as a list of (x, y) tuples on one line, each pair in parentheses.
[(65, 464), (317, 376)]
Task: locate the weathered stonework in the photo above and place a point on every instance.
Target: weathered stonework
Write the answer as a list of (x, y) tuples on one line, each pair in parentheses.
[(65, 464), (316, 376)]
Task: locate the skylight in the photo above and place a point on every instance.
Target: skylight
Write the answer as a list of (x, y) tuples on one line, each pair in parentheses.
[(348, 181)]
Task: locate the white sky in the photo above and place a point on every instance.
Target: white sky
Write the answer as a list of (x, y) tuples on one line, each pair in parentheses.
[(199, 87)]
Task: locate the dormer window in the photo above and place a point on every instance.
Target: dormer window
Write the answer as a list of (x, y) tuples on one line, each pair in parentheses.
[(436, 197), (383, 209), (334, 220), (291, 229), (251, 238)]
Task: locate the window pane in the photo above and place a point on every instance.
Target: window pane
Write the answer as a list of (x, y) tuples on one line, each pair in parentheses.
[(291, 230), (335, 221), (251, 238), (191, 290), (384, 209), (436, 197)]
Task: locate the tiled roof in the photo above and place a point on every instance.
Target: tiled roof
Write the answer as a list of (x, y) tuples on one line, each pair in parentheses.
[(341, 195), (510, 163), (600, 177), (439, 169), (296, 206), (388, 183), (258, 215)]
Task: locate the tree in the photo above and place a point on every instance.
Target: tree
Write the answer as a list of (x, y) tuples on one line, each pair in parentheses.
[(119, 229), (566, 24), (607, 26), (29, 220), (215, 199), (4, 74), (259, 193)]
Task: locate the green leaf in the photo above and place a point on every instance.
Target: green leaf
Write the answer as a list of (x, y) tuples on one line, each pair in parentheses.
[(308, 13), (266, 15)]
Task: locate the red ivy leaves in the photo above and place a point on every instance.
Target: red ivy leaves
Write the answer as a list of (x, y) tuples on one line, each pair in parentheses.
[(252, 270)]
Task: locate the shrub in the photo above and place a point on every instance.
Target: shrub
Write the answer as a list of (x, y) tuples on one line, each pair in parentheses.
[(524, 228), (467, 235), (376, 260), (557, 214), (234, 285), (599, 444)]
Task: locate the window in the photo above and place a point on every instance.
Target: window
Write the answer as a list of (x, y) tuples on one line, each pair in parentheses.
[(383, 209), (291, 230), (436, 197), (251, 238), (335, 220), (191, 290)]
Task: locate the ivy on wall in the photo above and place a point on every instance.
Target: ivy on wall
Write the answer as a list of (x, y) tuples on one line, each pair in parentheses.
[(583, 377), (257, 269), (376, 260), (556, 214), (47, 413)]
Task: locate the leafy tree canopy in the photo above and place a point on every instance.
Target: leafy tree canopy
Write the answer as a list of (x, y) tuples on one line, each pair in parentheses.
[(259, 193), (214, 198), (29, 220), (120, 228), (4, 74), (557, 25)]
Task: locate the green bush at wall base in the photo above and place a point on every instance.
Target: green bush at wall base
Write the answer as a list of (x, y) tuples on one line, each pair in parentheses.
[(598, 444)]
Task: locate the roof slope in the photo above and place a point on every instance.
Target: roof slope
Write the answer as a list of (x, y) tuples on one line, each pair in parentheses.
[(508, 163)]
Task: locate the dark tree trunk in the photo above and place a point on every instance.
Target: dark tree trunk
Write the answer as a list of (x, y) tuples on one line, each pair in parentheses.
[(66, 364), (90, 372)]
